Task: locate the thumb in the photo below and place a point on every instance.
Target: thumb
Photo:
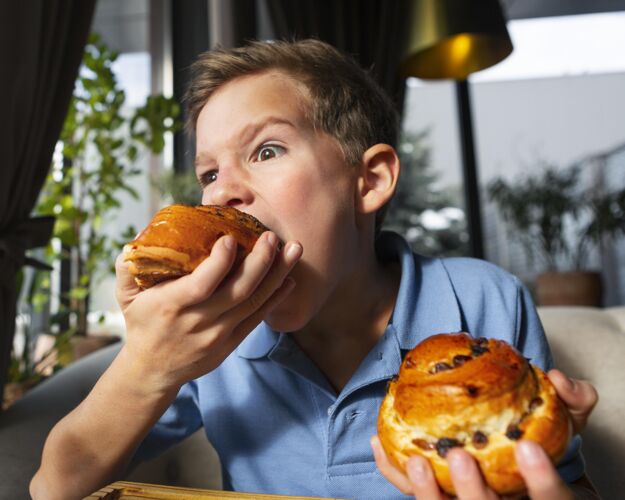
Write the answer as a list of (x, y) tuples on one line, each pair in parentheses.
[(126, 288), (579, 396)]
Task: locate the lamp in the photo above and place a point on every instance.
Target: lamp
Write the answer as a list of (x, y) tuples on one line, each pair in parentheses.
[(451, 39)]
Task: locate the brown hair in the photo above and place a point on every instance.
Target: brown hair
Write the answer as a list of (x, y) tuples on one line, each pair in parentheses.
[(345, 101)]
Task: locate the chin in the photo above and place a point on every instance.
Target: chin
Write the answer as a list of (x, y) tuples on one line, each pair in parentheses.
[(288, 317)]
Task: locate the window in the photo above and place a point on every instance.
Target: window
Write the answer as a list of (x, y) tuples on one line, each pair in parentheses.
[(557, 99)]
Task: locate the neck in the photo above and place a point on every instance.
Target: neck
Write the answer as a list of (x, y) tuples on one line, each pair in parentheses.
[(352, 320)]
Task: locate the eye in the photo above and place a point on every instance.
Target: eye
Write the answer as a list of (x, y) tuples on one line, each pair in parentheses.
[(207, 178), (269, 151)]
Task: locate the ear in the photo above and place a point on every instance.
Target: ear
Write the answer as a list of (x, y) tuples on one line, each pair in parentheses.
[(378, 178)]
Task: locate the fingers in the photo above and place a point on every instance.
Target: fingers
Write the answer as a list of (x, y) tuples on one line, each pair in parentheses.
[(244, 281), (204, 280), (253, 284), (388, 470), (579, 396), (467, 477), (541, 478), (424, 483)]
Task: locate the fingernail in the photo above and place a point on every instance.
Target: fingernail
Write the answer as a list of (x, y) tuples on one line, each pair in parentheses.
[(529, 452), (293, 251), (229, 242), (272, 240)]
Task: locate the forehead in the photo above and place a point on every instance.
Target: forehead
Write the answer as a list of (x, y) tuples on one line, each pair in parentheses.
[(251, 97)]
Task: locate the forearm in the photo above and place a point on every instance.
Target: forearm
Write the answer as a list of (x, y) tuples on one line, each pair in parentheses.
[(93, 445)]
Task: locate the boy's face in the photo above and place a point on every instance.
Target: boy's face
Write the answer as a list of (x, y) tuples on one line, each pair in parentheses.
[(257, 152)]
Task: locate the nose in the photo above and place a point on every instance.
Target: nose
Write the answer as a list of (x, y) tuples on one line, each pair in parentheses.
[(230, 188)]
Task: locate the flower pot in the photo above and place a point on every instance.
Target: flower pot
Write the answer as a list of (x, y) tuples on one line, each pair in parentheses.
[(573, 288)]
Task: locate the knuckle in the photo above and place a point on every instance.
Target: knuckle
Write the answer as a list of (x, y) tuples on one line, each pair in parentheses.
[(167, 309), (195, 290), (255, 301), (194, 322), (220, 330)]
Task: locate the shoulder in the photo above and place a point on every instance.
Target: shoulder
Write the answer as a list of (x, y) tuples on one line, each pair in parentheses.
[(492, 303), (490, 298), (466, 271)]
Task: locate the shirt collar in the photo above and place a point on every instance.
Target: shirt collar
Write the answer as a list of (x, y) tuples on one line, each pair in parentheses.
[(426, 302)]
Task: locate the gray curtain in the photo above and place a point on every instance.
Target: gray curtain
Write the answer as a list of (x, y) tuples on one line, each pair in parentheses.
[(373, 31), (41, 46)]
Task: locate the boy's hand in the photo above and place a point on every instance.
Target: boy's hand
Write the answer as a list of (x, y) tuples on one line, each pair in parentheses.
[(182, 329), (541, 477), (579, 396)]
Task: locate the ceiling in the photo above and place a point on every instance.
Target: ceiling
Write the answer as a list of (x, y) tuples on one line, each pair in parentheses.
[(521, 9), (124, 24)]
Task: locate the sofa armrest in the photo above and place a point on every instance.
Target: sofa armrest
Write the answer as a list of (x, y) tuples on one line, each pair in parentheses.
[(24, 428), (589, 343)]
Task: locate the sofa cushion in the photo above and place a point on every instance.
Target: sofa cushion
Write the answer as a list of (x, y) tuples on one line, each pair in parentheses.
[(589, 343), (618, 315)]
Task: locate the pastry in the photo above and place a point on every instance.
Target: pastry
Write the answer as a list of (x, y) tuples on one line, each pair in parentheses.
[(480, 394), (179, 237)]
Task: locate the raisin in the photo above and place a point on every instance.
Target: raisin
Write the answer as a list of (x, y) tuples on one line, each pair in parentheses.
[(441, 367), (535, 403), (481, 340), (410, 363), (513, 432), (423, 444), (461, 359), (479, 440), (478, 350), (443, 445), (472, 390)]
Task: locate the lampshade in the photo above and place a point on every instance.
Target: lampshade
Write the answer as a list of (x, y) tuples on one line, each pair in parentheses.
[(454, 38)]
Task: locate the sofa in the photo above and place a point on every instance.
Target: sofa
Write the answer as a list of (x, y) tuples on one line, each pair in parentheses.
[(587, 343)]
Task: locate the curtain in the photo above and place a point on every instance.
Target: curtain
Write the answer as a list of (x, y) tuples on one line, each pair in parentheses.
[(41, 46), (373, 31)]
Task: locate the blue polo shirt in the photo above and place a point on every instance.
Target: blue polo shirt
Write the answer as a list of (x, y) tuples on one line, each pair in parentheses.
[(279, 427)]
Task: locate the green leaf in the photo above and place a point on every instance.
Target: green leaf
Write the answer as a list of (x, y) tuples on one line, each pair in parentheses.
[(78, 293)]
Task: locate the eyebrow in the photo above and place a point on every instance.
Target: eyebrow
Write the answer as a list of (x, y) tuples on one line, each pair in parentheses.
[(247, 134)]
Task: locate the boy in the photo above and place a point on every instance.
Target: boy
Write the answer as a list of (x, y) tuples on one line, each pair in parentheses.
[(298, 136)]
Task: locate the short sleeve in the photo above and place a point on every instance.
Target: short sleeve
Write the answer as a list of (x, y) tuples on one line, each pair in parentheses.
[(179, 421), (572, 465), (530, 335)]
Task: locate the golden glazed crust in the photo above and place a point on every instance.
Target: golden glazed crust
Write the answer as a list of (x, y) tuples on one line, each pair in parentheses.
[(481, 394), (179, 237)]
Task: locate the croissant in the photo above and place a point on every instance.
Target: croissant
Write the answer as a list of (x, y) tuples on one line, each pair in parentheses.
[(480, 394), (179, 237)]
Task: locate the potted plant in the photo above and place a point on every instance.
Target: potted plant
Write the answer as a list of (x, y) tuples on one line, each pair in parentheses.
[(95, 163), (561, 221)]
